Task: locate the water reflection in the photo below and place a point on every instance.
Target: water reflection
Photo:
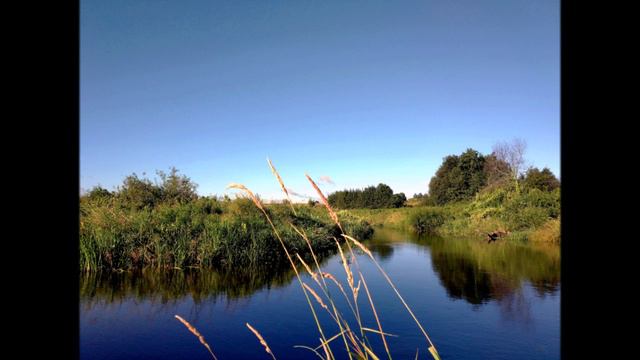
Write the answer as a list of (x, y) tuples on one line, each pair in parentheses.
[(170, 286), (470, 270), (481, 301), (477, 272)]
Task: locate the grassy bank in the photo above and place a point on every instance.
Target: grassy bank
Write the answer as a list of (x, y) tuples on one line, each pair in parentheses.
[(201, 232), (529, 216)]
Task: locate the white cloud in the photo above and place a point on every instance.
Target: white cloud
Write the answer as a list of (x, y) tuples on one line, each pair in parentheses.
[(326, 179)]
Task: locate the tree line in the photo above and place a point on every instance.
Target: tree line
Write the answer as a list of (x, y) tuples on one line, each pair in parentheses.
[(372, 197), (138, 193), (460, 177)]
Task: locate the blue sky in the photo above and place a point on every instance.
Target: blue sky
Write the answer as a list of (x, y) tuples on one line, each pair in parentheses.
[(361, 91)]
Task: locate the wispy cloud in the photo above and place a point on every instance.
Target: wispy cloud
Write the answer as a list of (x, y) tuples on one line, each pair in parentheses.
[(326, 179), (290, 190)]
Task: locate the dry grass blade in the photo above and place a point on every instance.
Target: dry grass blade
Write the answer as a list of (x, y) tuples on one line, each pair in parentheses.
[(313, 274), (346, 266), (358, 244), (434, 352), (395, 289), (195, 332), (293, 265), (356, 290), (315, 295), (310, 348), (416, 354), (333, 278), (384, 340), (377, 332), (324, 347), (323, 286), (249, 192), (356, 346), (322, 343), (262, 341), (370, 352), (284, 189), (325, 202)]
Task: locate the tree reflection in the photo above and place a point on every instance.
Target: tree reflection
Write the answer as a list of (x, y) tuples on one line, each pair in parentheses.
[(169, 286), (478, 273)]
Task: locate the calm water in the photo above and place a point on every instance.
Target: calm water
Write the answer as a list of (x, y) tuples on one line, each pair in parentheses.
[(476, 301)]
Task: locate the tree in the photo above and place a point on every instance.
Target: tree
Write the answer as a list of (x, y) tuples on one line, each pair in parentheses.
[(543, 180), (497, 171), (372, 197), (398, 200), (98, 193), (458, 178), (137, 193), (175, 188), (513, 154), (422, 199)]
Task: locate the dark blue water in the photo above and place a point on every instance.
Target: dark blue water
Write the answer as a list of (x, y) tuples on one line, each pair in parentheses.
[(476, 301)]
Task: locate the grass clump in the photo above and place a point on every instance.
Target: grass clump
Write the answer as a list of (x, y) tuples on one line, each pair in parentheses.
[(549, 232), (427, 220)]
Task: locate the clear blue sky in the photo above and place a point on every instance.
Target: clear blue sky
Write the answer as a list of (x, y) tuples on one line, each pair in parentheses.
[(361, 91)]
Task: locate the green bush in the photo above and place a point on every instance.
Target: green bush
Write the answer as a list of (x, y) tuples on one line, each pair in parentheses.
[(426, 221), (531, 208)]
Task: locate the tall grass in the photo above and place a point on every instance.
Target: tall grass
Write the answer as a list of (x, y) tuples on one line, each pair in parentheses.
[(202, 233), (354, 336)]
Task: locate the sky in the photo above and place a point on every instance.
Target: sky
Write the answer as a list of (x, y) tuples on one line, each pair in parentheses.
[(355, 92)]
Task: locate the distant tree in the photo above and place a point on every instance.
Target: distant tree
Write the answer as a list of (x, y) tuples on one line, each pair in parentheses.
[(98, 193), (137, 193), (312, 203), (175, 188), (458, 178), (372, 197), (513, 154), (497, 171), (398, 200), (422, 199), (543, 180)]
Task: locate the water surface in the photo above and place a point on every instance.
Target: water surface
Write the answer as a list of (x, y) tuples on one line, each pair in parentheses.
[(476, 301)]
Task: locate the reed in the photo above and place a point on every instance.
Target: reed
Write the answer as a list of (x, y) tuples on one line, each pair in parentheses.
[(357, 345), (195, 332), (262, 341)]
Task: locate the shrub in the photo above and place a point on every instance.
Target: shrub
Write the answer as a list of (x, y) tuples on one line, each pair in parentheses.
[(531, 208), (426, 221), (549, 232)]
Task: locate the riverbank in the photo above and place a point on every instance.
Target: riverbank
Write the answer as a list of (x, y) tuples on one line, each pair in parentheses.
[(204, 232), (528, 216)]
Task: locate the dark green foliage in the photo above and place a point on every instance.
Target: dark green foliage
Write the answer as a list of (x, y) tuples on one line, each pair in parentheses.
[(543, 180), (458, 178), (136, 193), (398, 200), (98, 193), (427, 221), (371, 197), (176, 189)]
